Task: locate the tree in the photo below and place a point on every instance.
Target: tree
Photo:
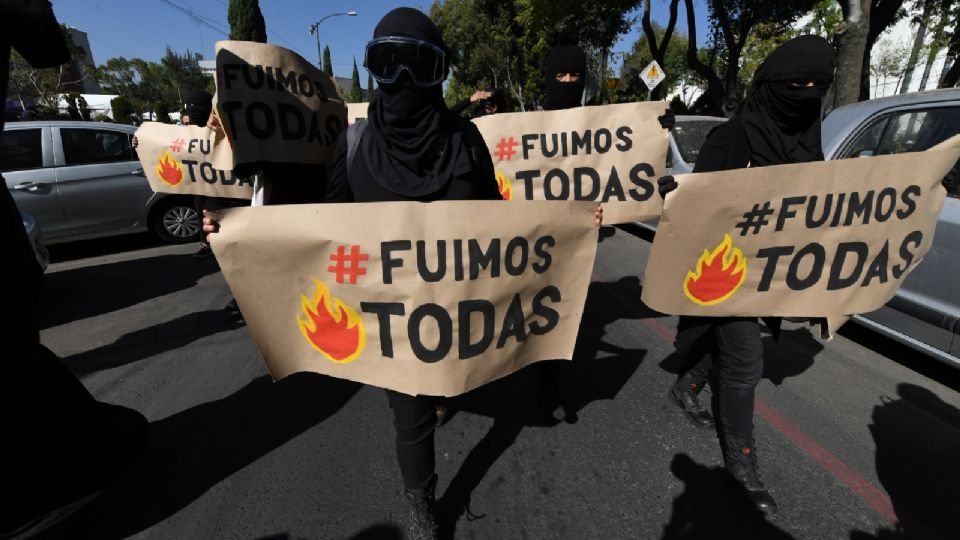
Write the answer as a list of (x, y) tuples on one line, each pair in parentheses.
[(44, 86), (161, 112), (851, 44), (182, 73), (928, 10), (883, 13), (672, 59), (327, 64), (947, 34), (246, 21), (122, 109), (356, 93), (659, 45), (890, 62)]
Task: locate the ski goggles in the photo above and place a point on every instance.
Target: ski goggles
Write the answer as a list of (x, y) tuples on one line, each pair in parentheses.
[(387, 56)]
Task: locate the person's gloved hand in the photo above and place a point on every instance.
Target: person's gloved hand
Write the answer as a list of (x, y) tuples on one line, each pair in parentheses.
[(666, 184), (668, 120)]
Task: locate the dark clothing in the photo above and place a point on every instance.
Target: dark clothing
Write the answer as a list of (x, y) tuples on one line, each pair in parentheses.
[(414, 416), (564, 95)]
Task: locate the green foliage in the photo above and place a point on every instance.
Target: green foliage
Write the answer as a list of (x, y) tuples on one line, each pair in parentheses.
[(161, 112), (246, 21), (122, 109), (356, 93), (44, 85), (102, 118), (678, 106), (674, 66), (144, 83), (327, 64)]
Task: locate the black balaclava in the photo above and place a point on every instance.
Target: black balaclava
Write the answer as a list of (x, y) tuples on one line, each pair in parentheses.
[(199, 106), (782, 122), (564, 95), (411, 149)]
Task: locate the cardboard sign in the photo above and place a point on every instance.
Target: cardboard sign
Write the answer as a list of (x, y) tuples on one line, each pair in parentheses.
[(433, 299), (189, 160), (275, 105), (823, 239), (612, 154)]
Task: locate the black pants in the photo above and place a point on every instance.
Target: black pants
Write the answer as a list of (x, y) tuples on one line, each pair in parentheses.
[(415, 420), (730, 347)]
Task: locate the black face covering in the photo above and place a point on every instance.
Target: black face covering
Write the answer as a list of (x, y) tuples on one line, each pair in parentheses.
[(199, 106), (782, 121), (564, 95), (410, 147)]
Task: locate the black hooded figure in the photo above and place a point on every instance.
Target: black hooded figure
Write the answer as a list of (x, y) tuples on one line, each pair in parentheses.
[(564, 94), (199, 105), (411, 148), (778, 123)]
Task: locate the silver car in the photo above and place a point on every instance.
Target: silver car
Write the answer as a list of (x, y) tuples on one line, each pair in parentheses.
[(925, 312), (82, 180)]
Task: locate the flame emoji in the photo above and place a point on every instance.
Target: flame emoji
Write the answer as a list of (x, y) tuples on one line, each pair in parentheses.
[(718, 274), (504, 186), (169, 169), (338, 336)]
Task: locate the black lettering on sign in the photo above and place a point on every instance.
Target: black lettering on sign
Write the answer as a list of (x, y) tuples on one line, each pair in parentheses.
[(286, 82), (292, 124), (578, 176), (480, 259), (888, 197), (794, 281), (271, 83), (548, 150), (785, 211), (602, 139), (334, 128), (190, 163), (458, 260), (305, 85), (513, 323), (269, 123), (527, 141), (909, 198), (387, 259), (425, 273), (444, 331), (913, 239), (465, 311), (835, 281), (859, 208), (772, 255), (227, 178), (540, 248), (878, 268), (229, 108), (812, 222), (253, 77), (229, 74), (550, 316), (581, 143), (614, 188), (207, 173), (645, 185), (384, 310), (549, 193), (626, 143), (245, 181), (515, 245), (528, 177), (839, 213)]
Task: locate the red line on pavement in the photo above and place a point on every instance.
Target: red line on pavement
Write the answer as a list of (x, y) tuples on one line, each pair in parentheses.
[(875, 497), (871, 494)]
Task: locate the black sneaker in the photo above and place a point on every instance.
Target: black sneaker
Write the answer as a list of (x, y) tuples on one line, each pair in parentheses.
[(203, 252), (686, 395), (741, 460), (421, 517)]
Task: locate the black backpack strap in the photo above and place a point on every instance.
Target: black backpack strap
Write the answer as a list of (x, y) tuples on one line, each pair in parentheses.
[(354, 134)]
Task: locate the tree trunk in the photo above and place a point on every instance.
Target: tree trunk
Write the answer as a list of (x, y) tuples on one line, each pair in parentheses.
[(917, 47), (879, 16), (714, 91), (951, 68), (659, 51), (931, 58), (851, 42)]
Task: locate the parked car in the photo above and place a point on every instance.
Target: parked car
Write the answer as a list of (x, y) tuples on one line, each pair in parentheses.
[(83, 180), (686, 138), (36, 240), (925, 312)]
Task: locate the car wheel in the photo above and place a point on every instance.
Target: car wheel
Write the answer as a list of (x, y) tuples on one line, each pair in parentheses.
[(176, 221)]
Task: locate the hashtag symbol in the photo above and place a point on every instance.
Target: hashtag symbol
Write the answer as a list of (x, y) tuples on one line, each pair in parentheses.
[(505, 148), (353, 269), (757, 218), (177, 145)]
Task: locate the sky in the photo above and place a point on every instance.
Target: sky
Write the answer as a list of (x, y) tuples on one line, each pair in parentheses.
[(144, 28)]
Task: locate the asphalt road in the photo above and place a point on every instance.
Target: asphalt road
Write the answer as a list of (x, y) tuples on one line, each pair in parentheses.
[(858, 438)]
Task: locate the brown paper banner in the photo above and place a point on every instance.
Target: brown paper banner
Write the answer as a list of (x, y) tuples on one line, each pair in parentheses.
[(611, 153), (189, 160), (823, 239), (275, 105), (437, 299)]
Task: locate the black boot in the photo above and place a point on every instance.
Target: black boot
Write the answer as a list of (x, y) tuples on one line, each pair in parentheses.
[(422, 519), (741, 459), (686, 394)]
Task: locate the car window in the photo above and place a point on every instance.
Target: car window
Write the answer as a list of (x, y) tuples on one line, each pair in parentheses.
[(690, 137), (865, 143), (84, 146), (20, 149), (916, 131)]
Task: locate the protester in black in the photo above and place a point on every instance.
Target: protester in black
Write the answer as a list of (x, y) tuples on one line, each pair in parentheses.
[(59, 445), (565, 78), (481, 103), (778, 123)]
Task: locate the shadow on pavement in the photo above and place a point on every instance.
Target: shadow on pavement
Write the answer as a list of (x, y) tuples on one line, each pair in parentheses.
[(154, 340), (706, 508), (103, 246), (790, 356), (382, 531), (918, 443), (72, 295), (516, 402), (194, 450)]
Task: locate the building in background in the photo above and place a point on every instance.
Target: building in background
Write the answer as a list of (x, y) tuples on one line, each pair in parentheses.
[(77, 78)]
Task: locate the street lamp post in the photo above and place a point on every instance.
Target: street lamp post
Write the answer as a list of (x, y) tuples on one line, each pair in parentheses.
[(315, 29)]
